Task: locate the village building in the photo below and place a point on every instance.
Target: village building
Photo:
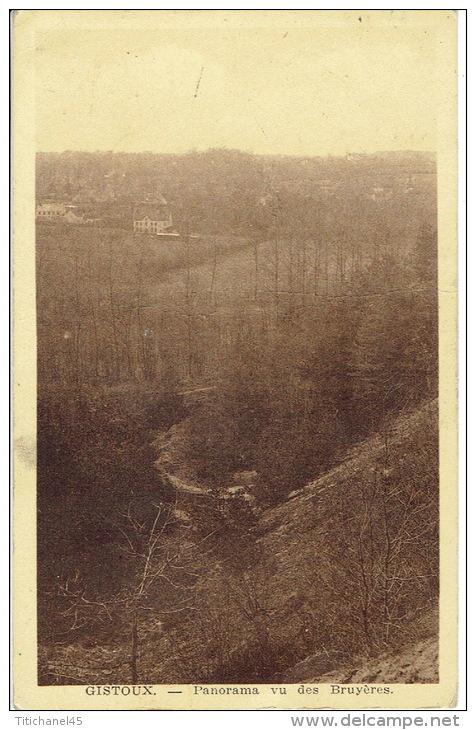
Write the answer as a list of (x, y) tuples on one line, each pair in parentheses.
[(50, 210), (78, 214), (73, 216), (153, 217), (62, 212), (383, 189)]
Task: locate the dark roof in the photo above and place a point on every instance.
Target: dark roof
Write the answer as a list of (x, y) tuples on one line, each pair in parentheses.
[(155, 211)]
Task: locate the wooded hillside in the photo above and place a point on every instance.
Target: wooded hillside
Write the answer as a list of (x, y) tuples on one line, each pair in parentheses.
[(303, 324)]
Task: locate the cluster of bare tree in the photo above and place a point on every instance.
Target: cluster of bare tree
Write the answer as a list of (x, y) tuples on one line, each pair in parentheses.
[(319, 372), (311, 333)]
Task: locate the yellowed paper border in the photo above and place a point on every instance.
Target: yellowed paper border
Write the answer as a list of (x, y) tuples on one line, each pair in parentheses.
[(30, 28)]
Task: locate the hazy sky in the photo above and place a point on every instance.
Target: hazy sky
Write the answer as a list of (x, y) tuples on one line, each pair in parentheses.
[(350, 87)]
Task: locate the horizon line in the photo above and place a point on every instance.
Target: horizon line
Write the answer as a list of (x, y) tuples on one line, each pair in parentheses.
[(235, 149)]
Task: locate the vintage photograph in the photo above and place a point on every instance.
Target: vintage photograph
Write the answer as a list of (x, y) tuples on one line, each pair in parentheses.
[(236, 235)]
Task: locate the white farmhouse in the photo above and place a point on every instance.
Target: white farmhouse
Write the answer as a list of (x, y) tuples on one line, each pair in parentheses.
[(152, 217)]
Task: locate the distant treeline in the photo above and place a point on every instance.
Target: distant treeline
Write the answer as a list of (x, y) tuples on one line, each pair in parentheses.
[(229, 190)]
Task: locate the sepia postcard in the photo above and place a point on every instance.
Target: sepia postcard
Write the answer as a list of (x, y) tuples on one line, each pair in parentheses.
[(235, 426)]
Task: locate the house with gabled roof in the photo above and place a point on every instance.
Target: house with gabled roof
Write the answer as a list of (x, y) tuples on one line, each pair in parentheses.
[(152, 217)]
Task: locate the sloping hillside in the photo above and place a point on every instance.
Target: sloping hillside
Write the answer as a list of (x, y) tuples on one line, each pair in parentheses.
[(337, 584), (334, 568), (348, 552), (417, 663)]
